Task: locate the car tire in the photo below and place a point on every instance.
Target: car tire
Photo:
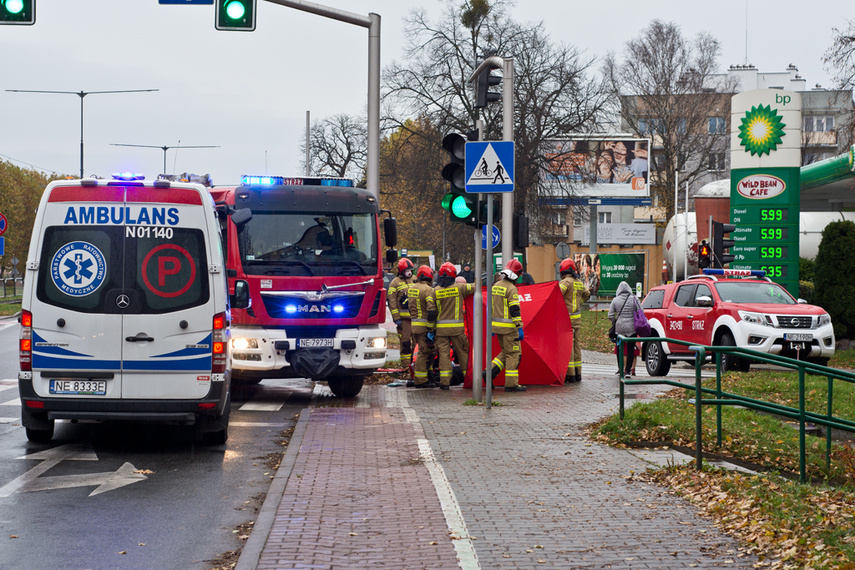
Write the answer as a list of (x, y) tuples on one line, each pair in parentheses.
[(655, 359), (729, 362), (346, 386)]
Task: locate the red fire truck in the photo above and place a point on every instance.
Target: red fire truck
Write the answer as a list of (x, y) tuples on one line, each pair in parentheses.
[(305, 269)]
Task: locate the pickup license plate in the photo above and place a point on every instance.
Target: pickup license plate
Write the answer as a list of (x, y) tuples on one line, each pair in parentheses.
[(795, 337), (315, 343), (79, 387)]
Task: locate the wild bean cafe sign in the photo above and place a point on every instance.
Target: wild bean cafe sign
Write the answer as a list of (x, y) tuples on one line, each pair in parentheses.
[(765, 157)]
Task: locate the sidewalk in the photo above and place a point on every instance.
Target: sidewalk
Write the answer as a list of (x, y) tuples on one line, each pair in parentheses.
[(411, 478)]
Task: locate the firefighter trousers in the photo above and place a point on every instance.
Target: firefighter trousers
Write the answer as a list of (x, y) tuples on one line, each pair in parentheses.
[(509, 358), (461, 351)]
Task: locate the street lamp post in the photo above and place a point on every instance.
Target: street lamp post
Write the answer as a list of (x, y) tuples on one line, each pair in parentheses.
[(163, 148), (81, 94)]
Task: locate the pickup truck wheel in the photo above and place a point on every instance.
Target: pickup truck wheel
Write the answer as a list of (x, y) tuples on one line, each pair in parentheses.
[(655, 360), (729, 362), (346, 386)]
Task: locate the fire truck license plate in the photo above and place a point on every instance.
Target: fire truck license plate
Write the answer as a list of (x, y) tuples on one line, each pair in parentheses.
[(798, 337), (316, 343)]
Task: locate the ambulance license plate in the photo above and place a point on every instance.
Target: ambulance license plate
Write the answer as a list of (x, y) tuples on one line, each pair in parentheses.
[(79, 387), (315, 343), (795, 337)]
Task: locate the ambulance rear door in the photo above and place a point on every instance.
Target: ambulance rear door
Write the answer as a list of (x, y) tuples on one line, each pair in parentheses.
[(167, 325)]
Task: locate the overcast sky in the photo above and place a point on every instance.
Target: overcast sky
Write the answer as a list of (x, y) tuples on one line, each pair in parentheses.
[(248, 93)]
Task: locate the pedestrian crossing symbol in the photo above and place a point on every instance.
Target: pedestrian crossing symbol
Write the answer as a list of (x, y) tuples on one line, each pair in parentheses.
[(490, 166)]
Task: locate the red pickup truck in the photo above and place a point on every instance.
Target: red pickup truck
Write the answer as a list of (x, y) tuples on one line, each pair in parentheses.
[(726, 307)]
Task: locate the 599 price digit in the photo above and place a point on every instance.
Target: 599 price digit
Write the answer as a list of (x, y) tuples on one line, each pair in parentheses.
[(773, 233), (773, 215), (773, 252)]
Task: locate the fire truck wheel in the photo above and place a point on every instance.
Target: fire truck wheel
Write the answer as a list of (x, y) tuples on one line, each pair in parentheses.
[(346, 386)]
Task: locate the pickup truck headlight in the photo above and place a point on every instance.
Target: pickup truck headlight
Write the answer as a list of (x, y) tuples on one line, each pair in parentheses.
[(753, 318), (824, 319)]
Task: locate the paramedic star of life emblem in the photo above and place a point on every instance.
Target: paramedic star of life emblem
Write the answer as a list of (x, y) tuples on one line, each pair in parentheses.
[(78, 268)]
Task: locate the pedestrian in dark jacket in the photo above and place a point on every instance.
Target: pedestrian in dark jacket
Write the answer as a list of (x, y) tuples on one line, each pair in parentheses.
[(467, 273), (622, 313)]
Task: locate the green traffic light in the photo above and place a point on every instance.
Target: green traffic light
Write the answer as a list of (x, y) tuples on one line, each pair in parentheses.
[(14, 7), (460, 207), (235, 10)]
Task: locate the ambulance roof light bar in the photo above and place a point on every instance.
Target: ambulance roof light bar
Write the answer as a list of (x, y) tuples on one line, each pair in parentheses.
[(250, 180), (128, 176)]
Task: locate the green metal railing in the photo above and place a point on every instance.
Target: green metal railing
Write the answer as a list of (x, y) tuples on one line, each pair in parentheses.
[(722, 398)]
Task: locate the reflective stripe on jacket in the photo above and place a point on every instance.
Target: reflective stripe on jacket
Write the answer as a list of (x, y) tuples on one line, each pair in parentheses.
[(575, 293), (506, 303), (418, 294), (396, 295), (448, 303)]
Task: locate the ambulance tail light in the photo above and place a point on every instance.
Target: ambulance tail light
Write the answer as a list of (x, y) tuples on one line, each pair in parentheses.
[(219, 342), (25, 345)]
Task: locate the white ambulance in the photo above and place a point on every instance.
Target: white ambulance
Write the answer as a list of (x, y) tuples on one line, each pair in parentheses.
[(125, 310)]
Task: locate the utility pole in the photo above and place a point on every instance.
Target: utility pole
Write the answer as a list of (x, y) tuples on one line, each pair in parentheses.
[(81, 94), (163, 148)]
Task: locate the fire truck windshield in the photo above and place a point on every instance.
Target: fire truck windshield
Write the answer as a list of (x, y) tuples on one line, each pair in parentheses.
[(306, 244)]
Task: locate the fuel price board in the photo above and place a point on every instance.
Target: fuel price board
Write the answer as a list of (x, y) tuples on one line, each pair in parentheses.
[(765, 210)]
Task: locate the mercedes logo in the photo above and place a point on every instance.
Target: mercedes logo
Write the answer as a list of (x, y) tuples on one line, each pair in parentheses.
[(123, 301)]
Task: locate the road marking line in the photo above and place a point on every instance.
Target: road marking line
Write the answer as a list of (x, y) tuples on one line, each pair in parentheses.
[(10, 420), (15, 402), (466, 555), (9, 382), (257, 424), (261, 406)]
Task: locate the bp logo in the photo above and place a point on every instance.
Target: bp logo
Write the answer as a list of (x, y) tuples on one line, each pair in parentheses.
[(761, 130), (78, 268)]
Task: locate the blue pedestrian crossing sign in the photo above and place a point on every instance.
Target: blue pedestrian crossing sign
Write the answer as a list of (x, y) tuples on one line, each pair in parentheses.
[(490, 166)]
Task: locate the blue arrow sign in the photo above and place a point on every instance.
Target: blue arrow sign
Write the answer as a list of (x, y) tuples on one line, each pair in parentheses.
[(490, 166), (497, 236)]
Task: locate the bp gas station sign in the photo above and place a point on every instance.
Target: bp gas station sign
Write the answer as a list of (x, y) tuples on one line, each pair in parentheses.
[(765, 183)]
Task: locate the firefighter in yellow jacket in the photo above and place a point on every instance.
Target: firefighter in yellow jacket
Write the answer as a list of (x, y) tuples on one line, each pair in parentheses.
[(447, 301), (423, 321), (575, 293), (508, 326), (396, 296)]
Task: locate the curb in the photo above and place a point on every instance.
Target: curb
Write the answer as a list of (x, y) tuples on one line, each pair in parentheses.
[(251, 552)]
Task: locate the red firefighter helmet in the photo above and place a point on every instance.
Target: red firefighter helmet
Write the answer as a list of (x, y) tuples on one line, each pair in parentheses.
[(514, 265), (447, 269), (404, 264), (425, 272), (567, 266)]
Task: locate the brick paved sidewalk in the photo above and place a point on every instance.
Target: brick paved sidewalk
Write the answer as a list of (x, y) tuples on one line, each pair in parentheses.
[(411, 478)]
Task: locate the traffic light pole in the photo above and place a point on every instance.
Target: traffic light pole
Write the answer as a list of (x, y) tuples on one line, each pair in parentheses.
[(477, 312), (372, 23), (507, 66)]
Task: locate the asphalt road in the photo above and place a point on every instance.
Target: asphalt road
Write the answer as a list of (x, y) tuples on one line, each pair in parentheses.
[(127, 495)]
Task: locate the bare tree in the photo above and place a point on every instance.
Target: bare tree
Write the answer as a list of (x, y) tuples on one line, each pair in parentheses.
[(840, 57), (338, 146), (553, 93), (666, 87)]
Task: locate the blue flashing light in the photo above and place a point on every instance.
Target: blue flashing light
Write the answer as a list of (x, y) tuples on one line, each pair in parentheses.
[(736, 272), (127, 176), (247, 180), (250, 180), (290, 309), (338, 308), (347, 182)]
